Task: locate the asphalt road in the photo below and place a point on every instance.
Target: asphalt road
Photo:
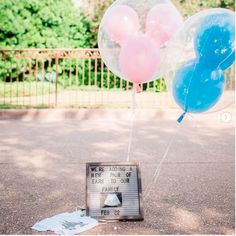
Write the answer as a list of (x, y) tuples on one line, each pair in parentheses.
[(42, 170)]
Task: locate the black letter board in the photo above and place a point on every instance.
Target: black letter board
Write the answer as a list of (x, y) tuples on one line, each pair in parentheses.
[(113, 191)]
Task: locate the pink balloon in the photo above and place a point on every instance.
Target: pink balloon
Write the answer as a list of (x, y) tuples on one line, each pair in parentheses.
[(139, 59), (120, 22), (162, 22), (137, 88)]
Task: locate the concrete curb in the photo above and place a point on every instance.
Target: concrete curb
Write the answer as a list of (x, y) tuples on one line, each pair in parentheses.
[(52, 115), (48, 115)]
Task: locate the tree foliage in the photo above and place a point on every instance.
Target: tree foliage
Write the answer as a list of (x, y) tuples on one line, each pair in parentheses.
[(42, 24), (59, 23), (94, 10), (190, 7)]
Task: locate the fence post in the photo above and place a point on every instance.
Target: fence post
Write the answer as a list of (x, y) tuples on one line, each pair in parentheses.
[(56, 92)]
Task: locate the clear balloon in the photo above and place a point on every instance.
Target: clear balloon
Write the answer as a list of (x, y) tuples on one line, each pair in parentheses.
[(120, 24), (163, 21), (213, 49), (197, 88)]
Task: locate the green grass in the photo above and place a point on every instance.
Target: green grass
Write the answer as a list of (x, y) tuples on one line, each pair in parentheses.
[(10, 106), (25, 89)]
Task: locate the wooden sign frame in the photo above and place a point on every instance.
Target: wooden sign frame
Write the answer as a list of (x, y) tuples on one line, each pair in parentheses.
[(137, 217)]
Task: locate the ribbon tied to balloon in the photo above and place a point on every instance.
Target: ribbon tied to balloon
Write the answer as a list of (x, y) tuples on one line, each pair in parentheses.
[(131, 37)]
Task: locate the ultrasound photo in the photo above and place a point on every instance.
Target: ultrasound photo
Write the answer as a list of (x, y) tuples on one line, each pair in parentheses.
[(111, 200)]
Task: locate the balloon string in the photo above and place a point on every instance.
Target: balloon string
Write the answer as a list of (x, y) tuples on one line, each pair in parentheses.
[(132, 124), (158, 168), (219, 66)]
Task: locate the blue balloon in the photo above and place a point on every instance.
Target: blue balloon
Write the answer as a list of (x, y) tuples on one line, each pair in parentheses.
[(214, 40), (228, 62), (197, 88)]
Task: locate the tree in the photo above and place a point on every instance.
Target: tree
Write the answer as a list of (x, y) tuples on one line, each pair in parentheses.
[(59, 23), (190, 7), (94, 10), (42, 24)]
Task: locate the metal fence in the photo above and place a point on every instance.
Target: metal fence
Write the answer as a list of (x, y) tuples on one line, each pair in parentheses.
[(71, 78)]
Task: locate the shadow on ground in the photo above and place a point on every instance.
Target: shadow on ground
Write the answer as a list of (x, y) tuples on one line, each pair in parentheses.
[(42, 172)]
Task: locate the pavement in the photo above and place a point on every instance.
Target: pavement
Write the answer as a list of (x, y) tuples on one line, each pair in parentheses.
[(42, 169)]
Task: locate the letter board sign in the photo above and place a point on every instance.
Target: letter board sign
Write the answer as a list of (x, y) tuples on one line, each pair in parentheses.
[(113, 191)]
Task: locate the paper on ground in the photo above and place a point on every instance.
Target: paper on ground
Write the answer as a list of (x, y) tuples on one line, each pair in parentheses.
[(67, 223)]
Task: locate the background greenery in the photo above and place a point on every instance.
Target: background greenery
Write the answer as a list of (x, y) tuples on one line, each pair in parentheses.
[(42, 24), (61, 24)]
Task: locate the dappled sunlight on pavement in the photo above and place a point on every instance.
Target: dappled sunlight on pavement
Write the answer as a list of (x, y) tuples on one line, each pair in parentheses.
[(43, 170)]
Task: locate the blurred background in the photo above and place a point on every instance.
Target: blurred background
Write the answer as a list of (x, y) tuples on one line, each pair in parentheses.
[(49, 56)]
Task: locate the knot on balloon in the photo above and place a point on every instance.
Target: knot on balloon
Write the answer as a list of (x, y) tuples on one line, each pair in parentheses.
[(180, 119), (137, 88)]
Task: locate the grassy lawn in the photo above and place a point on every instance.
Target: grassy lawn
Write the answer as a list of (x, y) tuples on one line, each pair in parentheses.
[(27, 89), (41, 95), (24, 89), (10, 106)]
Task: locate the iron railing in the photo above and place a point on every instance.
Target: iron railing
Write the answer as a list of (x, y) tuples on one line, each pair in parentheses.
[(71, 78)]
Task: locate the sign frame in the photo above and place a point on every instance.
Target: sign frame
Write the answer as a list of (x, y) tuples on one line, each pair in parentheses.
[(139, 217)]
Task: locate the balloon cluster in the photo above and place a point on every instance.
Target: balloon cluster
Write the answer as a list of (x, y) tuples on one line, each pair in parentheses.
[(199, 83), (131, 35), (141, 41)]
